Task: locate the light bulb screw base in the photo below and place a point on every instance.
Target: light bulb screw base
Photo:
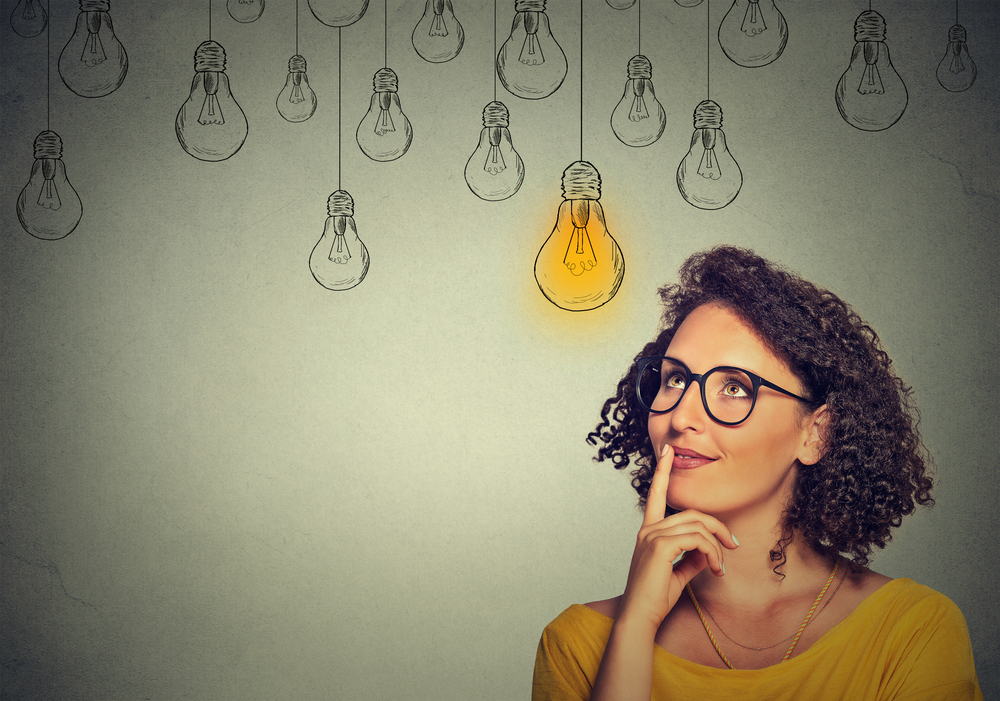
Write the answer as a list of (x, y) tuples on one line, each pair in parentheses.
[(640, 67), (957, 33), (495, 114), (210, 56), (296, 64), (581, 181), (385, 80), (529, 5), (95, 5), (708, 115), (48, 145), (340, 204), (869, 26)]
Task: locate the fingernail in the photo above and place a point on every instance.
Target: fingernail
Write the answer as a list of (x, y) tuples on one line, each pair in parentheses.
[(664, 451), (734, 539)]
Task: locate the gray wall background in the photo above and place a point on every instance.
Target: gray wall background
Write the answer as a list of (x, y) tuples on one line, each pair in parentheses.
[(222, 481)]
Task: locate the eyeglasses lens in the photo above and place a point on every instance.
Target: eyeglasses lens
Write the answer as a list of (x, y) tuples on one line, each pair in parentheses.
[(728, 392)]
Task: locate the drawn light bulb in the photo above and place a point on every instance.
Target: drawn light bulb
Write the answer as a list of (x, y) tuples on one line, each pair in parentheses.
[(621, 4), (338, 13), (48, 206), (296, 101), (385, 133), (957, 70), (753, 33), (580, 266), (495, 170), (210, 125), (438, 36), (688, 3), (94, 62), (530, 63), (339, 260), (870, 95), (245, 10), (638, 119), (708, 176), (28, 18)]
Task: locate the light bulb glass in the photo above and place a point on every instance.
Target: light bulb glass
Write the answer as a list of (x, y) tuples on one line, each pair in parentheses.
[(957, 70), (530, 63), (28, 18), (339, 260), (338, 13), (621, 4), (688, 3), (708, 177), (48, 206), (210, 125), (638, 119), (753, 33), (245, 10), (94, 62), (580, 266), (438, 36), (296, 102), (870, 95), (495, 170), (385, 133)]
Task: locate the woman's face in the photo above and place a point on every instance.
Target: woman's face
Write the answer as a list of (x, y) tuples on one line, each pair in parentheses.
[(748, 468)]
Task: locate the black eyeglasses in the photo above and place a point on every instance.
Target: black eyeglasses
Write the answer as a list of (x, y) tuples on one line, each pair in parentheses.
[(728, 394)]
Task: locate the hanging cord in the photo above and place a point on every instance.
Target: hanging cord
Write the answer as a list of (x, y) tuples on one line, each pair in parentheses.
[(494, 50), (48, 69), (581, 80), (296, 27), (708, 49), (339, 62), (639, 8), (385, 35), (210, 20)]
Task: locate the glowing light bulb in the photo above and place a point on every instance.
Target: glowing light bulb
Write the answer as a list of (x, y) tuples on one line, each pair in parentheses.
[(385, 133), (94, 62), (530, 63), (638, 119), (957, 70), (339, 260), (753, 33), (245, 10), (438, 36), (28, 19), (338, 13), (296, 102), (210, 125), (688, 3), (48, 206), (870, 95), (708, 176), (621, 4), (495, 170), (580, 266)]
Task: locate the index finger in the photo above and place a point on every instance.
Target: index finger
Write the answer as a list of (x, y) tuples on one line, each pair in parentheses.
[(656, 500)]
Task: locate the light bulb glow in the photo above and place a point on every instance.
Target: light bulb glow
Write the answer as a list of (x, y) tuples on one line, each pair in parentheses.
[(338, 13), (438, 36), (339, 260), (296, 102), (93, 62), (957, 70), (870, 94), (48, 206), (28, 18), (494, 171), (708, 176), (580, 266), (638, 119), (210, 125), (531, 64), (753, 33), (245, 10), (384, 133)]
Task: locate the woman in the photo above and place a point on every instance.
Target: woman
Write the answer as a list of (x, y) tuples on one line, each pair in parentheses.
[(774, 448)]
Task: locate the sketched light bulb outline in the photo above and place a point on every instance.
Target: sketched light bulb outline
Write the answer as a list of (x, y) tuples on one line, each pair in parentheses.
[(621, 4), (297, 101), (29, 18), (688, 3), (48, 206), (531, 64), (338, 13), (339, 260), (870, 95), (94, 62), (438, 36), (753, 33), (245, 10), (580, 266), (638, 119), (210, 125), (708, 176), (495, 170), (384, 133), (956, 71)]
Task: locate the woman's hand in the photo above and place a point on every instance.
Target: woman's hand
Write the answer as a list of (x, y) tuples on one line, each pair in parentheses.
[(655, 583)]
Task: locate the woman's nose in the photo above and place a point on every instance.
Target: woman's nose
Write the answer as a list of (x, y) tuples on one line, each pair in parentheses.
[(689, 414)]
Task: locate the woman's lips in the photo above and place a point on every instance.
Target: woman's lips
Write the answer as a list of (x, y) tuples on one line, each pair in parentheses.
[(685, 459)]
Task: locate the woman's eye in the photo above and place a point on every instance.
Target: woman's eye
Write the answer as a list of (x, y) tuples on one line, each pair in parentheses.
[(674, 382), (735, 390)]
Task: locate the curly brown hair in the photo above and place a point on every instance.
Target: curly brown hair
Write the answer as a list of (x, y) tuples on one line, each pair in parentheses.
[(874, 468)]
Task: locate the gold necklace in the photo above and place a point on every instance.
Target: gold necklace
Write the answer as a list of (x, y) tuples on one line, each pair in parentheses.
[(796, 635)]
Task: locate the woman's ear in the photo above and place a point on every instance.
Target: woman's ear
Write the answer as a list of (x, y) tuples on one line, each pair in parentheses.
[(815, 427)]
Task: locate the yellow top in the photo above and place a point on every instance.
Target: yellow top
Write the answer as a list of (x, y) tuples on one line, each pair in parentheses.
[(904, 642)]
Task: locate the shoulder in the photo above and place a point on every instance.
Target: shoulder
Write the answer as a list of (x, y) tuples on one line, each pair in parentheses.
[(569, 654)]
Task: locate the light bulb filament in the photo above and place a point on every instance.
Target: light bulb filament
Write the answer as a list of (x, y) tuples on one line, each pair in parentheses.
[(438, 27), (531, 51), (871, 81), (339, 253), (211, 113), (580, 256), (384, 123), (29, 10), (48, 198), (957, 66), (296, 97), (638, 110), (93, 49), (753, 21), (709, 165)]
